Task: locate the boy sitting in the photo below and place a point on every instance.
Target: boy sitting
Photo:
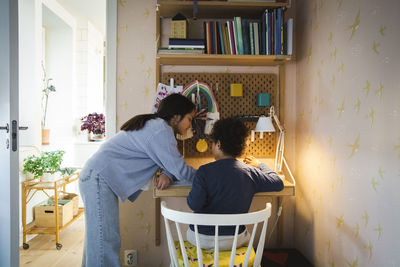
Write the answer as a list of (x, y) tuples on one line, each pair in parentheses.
[(227, 185)]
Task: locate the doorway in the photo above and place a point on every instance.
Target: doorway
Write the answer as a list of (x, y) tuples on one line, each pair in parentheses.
[(71, 45)]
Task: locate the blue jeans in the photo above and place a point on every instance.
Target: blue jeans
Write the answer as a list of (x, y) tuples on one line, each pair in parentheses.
[(102, 235)]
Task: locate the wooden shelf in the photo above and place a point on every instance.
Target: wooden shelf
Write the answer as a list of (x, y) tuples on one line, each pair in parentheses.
[(33, 229), (216, 9), (29, 189), (222, 60)]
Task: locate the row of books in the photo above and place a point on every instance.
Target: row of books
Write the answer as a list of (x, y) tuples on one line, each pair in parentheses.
[(240, 36)]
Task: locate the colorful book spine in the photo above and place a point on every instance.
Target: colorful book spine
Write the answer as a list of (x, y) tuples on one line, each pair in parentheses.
[(251, 38), (234, 39), (216, 43), (239, 35), (273, 32), (256, 38), (289, 34), (205, 36), (212, 37), (278, 32), (175, 41), (221, 38), (228, 24), (245, 37), (268, 33), (228, 40), (208, 38), (282, 26), (263, 34)]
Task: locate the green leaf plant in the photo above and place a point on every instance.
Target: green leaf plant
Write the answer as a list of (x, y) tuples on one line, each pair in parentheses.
[(48, 162)]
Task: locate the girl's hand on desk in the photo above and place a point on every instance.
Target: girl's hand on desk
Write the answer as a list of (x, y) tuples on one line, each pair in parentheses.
[(162, 181), (251, 161)]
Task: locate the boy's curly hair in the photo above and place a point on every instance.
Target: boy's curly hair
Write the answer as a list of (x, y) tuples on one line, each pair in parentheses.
[(231, 133)]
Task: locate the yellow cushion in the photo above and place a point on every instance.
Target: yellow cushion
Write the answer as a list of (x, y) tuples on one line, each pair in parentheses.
[(208, 256)]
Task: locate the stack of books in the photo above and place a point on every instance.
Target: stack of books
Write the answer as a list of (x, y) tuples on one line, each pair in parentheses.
[(183, 46)]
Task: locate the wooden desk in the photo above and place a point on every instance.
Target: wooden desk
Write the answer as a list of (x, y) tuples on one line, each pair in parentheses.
[(183, 191)]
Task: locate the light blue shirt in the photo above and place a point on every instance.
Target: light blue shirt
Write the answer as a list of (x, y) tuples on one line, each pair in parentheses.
[(129, 160)]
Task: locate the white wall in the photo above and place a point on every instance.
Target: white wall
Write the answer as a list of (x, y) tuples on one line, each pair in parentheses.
[(59, 62), (89, 92), (30, 83), (95, 85), (81, 93)]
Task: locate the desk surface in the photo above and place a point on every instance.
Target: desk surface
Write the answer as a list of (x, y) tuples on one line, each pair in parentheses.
[(183, 190)]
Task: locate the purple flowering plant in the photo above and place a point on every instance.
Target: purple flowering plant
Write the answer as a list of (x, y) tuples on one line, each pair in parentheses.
[(95, 123)]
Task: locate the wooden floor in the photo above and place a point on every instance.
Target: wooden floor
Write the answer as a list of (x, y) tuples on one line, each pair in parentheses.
[(42, 249)]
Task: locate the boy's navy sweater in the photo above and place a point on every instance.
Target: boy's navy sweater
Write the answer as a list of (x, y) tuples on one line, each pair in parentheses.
[(227, 186)]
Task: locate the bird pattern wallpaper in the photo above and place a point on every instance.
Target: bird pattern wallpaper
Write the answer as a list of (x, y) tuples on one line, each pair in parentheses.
[(347, 132)]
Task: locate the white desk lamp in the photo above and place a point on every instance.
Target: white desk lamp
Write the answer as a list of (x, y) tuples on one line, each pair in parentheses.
[(264, 124)]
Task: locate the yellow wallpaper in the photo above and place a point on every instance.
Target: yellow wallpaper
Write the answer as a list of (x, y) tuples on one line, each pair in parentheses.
[(348, 132), (136, 44), (135, 91)]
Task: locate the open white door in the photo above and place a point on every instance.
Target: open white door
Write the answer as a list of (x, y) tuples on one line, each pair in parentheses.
[(9, 181)]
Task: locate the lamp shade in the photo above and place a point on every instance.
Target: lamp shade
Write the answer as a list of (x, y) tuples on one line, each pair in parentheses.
[(264, 124)]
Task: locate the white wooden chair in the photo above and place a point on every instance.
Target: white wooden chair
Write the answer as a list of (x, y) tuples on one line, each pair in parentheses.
[(216, 220)]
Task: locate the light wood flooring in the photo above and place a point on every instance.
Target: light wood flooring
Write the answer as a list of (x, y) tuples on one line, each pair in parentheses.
[(42, 249)]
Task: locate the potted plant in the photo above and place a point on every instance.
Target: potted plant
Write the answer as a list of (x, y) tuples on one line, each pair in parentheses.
[(45, 165), (95, 124), (48, 87)]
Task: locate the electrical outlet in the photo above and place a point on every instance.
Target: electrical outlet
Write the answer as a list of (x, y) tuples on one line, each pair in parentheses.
[(130, 257)]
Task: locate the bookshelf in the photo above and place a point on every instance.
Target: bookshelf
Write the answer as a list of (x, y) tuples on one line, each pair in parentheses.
[(214, 10)]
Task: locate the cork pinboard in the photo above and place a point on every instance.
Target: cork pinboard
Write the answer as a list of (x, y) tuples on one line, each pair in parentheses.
[(245, 105)]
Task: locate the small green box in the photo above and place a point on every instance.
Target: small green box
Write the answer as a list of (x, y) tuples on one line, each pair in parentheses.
[(263, 99)]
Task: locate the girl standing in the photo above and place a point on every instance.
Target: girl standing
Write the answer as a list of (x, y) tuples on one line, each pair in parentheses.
[(123, 165)]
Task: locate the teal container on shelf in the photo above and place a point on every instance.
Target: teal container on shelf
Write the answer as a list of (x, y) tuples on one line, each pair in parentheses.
[(263, 99)]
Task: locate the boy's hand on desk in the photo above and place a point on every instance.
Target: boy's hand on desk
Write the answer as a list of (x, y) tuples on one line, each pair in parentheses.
[(251, 161), (162, 181)]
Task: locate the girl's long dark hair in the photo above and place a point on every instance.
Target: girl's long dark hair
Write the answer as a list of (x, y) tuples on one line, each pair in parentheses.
[(174, 104)]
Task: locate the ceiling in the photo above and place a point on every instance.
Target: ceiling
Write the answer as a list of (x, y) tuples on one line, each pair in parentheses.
[(93, 10)]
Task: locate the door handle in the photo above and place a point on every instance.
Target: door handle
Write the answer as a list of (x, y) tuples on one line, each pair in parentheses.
[(7, 128), (14, 133)]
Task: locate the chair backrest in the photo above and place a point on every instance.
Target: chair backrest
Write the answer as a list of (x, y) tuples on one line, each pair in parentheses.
[(216, 220)]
